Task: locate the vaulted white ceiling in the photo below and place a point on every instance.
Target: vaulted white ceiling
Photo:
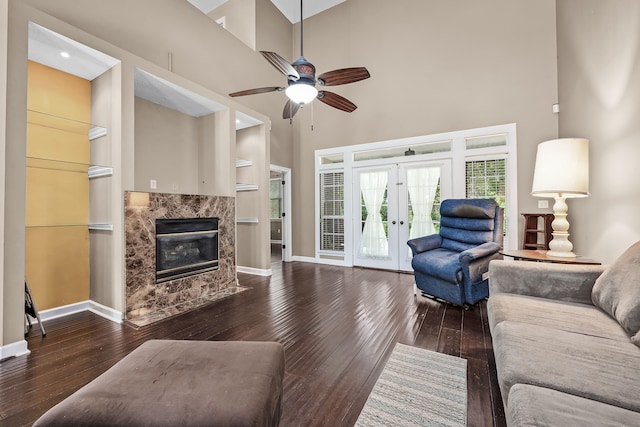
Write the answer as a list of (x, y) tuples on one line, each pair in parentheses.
[(47, 48), (289, 8)]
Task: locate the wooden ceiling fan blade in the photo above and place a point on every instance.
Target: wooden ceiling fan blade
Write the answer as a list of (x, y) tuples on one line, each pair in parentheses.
[(343, 76), (290, 109), (257, 91), (336, 101), (281, 64)]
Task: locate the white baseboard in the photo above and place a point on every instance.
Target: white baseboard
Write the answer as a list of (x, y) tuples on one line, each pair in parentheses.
[(106, 312), (304, 259), (336, 262), (18, 348), (254, 271), (92, 306)]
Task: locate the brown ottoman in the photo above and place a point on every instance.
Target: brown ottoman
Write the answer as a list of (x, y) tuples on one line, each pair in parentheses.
[(182, 383)]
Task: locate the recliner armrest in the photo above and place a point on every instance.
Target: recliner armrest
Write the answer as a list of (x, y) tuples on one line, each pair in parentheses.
[(425, 243), (481, 251), (474, 262)]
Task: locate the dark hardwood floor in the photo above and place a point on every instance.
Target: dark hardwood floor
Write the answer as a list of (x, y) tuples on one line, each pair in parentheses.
[(338, 326)]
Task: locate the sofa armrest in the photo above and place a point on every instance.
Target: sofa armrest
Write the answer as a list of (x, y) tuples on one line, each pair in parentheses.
[(425, 243), (566, 282)]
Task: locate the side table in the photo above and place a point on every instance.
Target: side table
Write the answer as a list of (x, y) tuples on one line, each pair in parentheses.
[(541, 256)]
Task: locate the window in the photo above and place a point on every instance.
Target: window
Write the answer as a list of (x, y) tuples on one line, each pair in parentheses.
[(332, 211), (488, 179), (409, 150)]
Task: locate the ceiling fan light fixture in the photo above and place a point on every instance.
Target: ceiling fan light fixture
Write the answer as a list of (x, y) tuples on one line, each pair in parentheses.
[(301, 93), (302, 81)]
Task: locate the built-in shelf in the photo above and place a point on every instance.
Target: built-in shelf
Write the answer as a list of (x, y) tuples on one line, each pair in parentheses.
[(96, 132), (243, 163), (247, 220), (246, 187), (102, 227), (54, 225), (93, 131), (98, 171)]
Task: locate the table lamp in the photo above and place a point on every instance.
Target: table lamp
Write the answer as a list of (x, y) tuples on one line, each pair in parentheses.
[(562, 171)]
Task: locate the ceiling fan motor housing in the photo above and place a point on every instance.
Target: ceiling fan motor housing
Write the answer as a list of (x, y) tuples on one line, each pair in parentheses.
[(306, 70)]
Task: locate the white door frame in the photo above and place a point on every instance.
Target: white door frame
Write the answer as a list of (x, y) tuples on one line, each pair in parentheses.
[(397, 210), (286, 209)]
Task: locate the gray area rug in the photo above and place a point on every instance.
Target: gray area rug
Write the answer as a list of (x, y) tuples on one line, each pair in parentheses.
[(418, 388)]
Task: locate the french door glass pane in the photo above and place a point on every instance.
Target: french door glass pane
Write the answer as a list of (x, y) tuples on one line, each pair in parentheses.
[(373, 191), (423, 187)]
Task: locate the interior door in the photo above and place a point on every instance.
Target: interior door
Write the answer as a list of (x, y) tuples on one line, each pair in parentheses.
[(394, 203)]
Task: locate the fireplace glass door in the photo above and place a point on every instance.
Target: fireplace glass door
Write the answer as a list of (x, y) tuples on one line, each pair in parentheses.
[(185, 247)]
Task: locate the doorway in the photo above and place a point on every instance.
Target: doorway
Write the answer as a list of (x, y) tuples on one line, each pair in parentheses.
[(394, 203), (280, 213)]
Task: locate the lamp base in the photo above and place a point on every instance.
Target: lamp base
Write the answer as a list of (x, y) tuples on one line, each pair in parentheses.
[(560, 254), (560, 246)]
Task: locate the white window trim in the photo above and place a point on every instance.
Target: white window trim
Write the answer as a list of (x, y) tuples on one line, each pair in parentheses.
[(458, 156)]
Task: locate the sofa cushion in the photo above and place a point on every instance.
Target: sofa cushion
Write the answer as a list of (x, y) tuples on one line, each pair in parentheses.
[(566, 316), (617, 290), (536, 406), (595, 368)]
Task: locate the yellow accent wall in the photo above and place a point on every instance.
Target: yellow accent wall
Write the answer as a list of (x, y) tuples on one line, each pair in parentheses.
[(59, 94), (57, 265), (57, 196)]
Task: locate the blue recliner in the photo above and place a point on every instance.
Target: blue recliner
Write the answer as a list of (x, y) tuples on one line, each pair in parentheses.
[(449, 266)]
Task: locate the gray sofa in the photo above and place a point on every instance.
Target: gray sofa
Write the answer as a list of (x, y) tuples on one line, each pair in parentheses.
[(567, 341)]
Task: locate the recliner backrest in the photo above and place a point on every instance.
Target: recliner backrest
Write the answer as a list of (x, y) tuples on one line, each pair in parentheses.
[(466, 223)]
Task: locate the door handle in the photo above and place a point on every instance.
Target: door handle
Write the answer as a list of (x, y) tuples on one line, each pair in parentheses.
[(393, 222), (401, 222)]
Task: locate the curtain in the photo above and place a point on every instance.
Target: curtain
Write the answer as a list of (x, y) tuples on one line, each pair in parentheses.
[(422, 184), (374, 239)]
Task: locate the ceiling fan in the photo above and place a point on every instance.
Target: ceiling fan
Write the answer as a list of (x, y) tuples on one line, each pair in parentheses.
[(302, 82)]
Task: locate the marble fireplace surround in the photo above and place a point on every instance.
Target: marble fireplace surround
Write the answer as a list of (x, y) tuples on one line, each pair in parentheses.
[(147, 301)]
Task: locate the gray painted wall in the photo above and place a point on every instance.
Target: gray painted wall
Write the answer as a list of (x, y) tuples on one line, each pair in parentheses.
[(599, 81), (436, 66), (166, 149)]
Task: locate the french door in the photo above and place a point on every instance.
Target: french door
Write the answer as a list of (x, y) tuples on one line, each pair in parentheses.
[(392, 204)]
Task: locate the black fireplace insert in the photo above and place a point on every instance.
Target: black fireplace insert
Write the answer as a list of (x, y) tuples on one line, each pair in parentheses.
[(185, 246)]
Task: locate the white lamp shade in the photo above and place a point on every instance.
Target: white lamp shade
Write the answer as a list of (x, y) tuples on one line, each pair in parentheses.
[(301, 93), (562, 168)]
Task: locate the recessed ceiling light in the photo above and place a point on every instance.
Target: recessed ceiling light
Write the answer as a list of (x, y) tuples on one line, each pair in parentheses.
[(237, 121), (65, 54)]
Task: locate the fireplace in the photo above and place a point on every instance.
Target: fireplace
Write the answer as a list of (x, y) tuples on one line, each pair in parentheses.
[(185, 247)]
